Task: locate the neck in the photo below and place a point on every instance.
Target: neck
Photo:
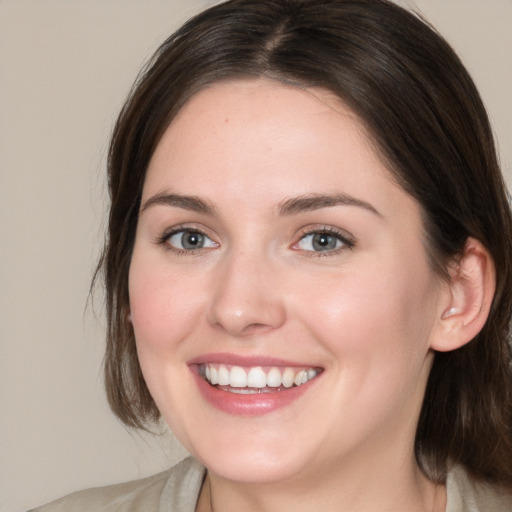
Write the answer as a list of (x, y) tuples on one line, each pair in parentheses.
[(393, 487)]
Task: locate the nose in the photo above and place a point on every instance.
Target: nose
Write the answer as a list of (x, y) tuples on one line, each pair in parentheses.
[(247, 296)]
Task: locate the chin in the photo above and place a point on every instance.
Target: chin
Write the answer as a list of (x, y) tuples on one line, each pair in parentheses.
[(252, 459), (256, 468)]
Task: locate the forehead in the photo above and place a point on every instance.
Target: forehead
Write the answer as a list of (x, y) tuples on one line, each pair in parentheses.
[(274, 119), (236, 138)]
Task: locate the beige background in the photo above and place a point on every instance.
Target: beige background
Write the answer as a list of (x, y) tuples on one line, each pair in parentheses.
[(65, 67)]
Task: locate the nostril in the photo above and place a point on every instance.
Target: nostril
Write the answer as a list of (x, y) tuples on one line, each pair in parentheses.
[(256, 328), (243, 330)]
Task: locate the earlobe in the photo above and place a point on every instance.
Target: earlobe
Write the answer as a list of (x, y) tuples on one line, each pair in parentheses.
[(469, 296)]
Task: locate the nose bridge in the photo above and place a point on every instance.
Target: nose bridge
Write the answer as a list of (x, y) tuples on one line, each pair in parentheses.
[(247, 296)]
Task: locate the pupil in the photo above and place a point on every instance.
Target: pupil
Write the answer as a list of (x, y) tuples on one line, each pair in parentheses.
[(323, 241), (192, 240)]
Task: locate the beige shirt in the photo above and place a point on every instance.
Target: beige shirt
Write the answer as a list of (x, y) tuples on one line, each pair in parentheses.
[(177, 490)]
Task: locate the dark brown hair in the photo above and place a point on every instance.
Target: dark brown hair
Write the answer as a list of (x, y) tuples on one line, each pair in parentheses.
[(427, 121)]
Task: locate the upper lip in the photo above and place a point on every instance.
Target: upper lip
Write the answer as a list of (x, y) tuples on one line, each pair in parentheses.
[(246, 361)]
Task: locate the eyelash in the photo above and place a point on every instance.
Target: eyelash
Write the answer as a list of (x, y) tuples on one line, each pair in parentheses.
[(167, 235), (346, 240)]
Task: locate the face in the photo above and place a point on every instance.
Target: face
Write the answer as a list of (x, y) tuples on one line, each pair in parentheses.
[(280, 293)]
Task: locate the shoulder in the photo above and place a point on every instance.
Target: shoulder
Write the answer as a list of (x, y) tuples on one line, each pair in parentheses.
[(466, 495), (176, 489)]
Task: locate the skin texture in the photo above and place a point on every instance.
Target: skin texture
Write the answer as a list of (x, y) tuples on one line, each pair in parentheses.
[(368, 315)]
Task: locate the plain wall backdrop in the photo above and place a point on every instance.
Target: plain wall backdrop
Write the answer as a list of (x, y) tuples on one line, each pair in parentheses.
[(65, 69)]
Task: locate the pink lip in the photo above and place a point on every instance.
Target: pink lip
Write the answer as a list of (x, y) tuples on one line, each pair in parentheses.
[(247, 405), (244, 361)]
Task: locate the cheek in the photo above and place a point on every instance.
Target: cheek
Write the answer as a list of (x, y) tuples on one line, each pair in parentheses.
[(379, 311), (163, 310), (163, 305)]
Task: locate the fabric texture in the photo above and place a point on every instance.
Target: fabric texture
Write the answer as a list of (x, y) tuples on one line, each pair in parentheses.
[(177, 490), (174, 490), (464, 495)]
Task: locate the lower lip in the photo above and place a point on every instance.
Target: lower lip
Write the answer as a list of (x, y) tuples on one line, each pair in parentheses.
[(249, 405)]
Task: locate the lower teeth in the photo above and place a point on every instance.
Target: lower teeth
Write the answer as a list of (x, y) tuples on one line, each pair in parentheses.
[(249, 391)]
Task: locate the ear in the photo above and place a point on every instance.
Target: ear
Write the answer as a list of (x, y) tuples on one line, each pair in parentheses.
[(467, 300)]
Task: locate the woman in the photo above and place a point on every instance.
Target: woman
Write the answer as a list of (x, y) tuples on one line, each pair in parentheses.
[(308, 267)]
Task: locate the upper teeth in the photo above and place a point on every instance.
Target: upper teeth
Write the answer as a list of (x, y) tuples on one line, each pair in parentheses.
[(256, 376)]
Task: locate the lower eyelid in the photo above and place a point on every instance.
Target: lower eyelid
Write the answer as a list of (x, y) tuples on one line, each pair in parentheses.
[(343, 238), (206, 239), (165, 238), (344, 241)]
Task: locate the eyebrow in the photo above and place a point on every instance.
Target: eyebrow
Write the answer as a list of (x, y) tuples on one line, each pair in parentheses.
[(191, 203), (311, 202), (290, 206)]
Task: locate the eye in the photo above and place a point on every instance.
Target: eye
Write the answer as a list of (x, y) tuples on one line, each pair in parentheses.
[(189, 240), (323, 241)]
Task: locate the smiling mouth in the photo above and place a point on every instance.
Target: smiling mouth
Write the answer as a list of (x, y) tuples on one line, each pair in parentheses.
[(255, 379)]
